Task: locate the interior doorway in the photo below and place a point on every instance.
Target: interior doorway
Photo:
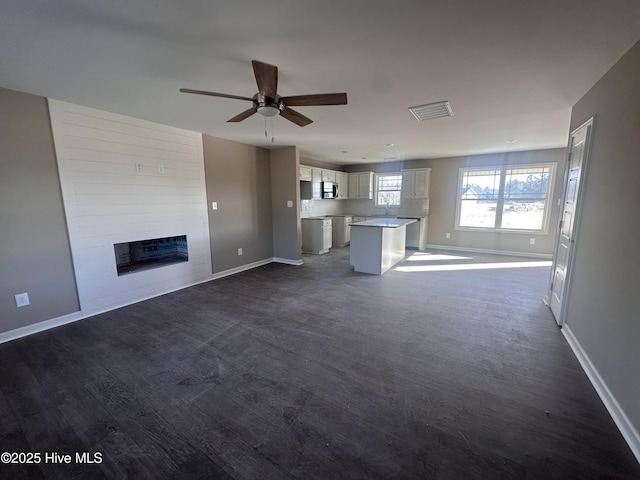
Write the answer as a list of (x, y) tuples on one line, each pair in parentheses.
[(560, 281)]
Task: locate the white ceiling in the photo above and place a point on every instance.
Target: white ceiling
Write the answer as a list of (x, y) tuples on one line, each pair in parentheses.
[(511, 69)]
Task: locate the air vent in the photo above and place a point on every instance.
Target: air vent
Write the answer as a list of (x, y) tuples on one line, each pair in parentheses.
[(432, 110)]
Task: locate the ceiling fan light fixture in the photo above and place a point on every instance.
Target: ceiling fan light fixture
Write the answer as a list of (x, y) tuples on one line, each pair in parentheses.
[(268, 103), (268, 111), (430, 111)]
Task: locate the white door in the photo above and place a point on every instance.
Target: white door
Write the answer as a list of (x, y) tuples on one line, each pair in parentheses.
[(326, 234), (562, 264)]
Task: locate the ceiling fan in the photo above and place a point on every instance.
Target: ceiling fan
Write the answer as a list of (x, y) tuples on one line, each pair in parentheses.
[(268, 103)]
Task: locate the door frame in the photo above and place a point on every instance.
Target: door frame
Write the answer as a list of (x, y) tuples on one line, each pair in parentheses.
[(589, 125)]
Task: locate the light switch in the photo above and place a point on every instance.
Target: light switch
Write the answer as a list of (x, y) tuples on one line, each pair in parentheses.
[(214, 205), (160, 169), (290, 203)]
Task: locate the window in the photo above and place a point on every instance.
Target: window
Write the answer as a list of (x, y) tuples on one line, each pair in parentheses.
[(388, 189), (505, 198)]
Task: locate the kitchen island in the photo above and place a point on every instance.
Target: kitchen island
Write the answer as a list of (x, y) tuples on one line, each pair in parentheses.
[(378, 244)]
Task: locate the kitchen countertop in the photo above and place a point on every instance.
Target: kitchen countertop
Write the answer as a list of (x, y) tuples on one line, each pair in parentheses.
[(384, 222)]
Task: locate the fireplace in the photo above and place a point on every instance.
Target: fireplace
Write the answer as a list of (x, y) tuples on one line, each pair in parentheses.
[(151, 253)]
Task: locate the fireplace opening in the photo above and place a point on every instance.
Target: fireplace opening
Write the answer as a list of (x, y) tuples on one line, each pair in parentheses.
[(151, 253)]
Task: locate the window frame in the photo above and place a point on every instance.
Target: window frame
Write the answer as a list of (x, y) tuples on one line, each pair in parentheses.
[(377, 185), (500, 201)]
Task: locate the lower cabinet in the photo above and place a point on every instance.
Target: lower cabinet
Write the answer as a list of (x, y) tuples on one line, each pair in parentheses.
[(417, 234), (341, 230), (316, 235)]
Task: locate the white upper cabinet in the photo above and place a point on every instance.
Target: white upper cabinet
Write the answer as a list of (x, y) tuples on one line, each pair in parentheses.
[(316, 175), (342, 179), (328, 176), (361, 185), (305, 173), (415, 183)]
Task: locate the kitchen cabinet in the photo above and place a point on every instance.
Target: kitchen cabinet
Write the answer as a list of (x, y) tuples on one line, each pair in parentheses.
[(342, 179), (378, 244), (415, 183), (341, 230), (361, 185), (305, 173), (417, 233), (328, 176), (316, 235), (316, 183), (315, 177)]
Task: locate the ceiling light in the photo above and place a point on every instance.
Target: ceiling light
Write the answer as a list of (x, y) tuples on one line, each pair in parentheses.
[(432, 110), (510, 141), (388, 145), (268, 111)]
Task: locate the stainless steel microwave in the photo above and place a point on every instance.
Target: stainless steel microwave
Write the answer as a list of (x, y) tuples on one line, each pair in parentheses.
[(329, 190)]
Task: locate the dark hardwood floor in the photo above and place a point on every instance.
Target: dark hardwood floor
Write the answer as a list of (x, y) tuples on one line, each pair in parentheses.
[(427, 372)]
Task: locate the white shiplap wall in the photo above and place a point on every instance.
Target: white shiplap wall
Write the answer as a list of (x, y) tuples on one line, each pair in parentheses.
[(125, 179)]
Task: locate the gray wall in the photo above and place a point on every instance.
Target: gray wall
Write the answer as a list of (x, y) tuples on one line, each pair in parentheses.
[(442, 200), (238, 177), (442, 203), (603, 310), (35, 256), (285, 186)]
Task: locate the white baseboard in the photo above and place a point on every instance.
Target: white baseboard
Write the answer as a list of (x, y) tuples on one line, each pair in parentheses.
[(39, 327), (288, 261), (241, 268), (486, 250), (621, 420)]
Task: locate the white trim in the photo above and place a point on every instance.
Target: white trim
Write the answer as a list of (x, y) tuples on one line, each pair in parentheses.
[(486, 250), (376, 177), (500, 200), (39, 327), (241, 268), (288, 261), (621, 420), (577, 222)]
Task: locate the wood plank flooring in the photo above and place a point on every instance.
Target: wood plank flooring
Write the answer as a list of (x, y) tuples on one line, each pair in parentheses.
[(317, 372)]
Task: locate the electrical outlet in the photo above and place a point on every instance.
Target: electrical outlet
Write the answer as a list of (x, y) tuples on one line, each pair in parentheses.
[(22, 299), (532, 241), (240, 251), (290, 203), (139, 166), (448, 235)]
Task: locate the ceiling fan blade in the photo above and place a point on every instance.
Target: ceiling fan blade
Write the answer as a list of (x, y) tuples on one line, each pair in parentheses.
[(266, 78), (316, 99), (295, 117), (243, 115), (214, 94)]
